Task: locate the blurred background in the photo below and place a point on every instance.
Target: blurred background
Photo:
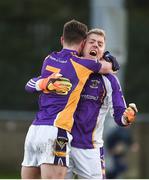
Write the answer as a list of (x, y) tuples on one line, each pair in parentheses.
[(30, 29)]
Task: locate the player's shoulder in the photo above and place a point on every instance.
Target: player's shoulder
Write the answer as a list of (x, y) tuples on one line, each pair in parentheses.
[(86, 62), (112, 79), (50, 56), (76, 56)]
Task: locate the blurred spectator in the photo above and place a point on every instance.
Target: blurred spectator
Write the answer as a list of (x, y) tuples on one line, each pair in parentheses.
[(118, 142)]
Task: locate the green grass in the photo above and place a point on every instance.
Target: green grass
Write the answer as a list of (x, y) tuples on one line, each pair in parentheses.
[(9, 175)]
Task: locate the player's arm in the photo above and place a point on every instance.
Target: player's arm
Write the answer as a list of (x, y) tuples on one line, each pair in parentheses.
[(109, 64), (122, 114), (31, 85), (54, 83), (106, 67), (110, 58), (129, 115)]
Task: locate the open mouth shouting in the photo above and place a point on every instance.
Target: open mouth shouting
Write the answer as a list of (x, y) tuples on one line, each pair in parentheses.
[(93, 53)]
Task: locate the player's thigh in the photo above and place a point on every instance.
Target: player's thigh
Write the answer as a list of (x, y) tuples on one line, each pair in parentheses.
[(54, 155), (54, 146), (30, 173), (49, 171)]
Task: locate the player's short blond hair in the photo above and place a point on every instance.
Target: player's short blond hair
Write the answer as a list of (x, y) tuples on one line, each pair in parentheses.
[(97, 31)]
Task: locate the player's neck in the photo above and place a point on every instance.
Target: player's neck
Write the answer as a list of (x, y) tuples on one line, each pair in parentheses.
[(73, 47)]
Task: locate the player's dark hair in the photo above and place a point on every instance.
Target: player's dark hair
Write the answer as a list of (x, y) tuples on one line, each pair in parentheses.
[(74, 32)]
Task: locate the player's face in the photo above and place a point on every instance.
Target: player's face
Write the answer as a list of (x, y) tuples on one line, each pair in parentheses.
[(94, 44)]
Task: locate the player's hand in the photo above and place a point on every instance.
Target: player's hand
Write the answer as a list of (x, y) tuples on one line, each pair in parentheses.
[(60, 85), (55, 83), (109, 58), (130, 113)]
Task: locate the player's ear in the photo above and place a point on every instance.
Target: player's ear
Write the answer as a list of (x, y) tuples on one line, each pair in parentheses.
[(62, 40), (82, 44)]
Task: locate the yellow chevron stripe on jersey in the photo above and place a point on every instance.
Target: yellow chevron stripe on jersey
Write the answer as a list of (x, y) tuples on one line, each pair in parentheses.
[(52, 69), (59, 153), (65, 119)]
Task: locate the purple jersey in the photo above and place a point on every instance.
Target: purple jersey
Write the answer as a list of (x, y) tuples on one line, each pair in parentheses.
[(100, 94), (58, 110)]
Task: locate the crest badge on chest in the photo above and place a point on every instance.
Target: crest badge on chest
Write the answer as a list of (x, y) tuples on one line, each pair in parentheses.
[(94, 84)]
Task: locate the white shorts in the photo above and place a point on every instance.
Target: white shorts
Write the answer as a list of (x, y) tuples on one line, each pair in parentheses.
[(86, 163), (46, 144)]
